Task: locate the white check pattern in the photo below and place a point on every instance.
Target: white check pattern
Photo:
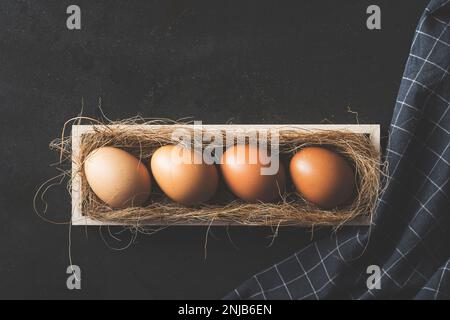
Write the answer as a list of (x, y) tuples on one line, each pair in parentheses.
[(410, 236)]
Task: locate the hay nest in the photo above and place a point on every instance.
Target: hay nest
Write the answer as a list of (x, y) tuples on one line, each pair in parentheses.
[(140, 140)]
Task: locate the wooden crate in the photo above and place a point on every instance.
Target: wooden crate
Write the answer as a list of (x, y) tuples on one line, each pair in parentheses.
[(373, 130)]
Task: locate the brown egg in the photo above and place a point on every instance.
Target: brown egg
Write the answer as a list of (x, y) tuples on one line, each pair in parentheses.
[(322, 177), (245, 179), (117, 177), (180, 178)]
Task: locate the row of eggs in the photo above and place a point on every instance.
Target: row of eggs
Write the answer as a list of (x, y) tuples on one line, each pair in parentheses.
[(119, 179)]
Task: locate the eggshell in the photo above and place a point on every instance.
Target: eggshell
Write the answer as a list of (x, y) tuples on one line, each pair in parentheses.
[(117, 177), (322, 176), (245, 180), (180, 178)]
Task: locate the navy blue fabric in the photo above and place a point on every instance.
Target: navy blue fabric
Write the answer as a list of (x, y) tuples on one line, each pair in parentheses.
[(409, 238)]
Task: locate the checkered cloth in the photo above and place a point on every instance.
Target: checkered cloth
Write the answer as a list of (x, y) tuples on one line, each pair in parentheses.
[(409, 239)]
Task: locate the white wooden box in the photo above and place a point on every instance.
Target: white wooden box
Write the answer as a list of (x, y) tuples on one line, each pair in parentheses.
[(373, 130)]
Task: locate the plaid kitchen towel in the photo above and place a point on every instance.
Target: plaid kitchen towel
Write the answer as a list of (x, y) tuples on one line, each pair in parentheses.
[(409, 239)]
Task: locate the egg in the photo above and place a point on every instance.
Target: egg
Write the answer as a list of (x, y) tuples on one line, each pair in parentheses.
[(322, 177), (117, 177), (245, 180), (181, 179)]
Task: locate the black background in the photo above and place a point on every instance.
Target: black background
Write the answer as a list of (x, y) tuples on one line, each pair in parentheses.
[(216, 61)]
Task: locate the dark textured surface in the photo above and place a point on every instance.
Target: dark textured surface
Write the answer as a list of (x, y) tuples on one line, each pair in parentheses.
[(245, 61)]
